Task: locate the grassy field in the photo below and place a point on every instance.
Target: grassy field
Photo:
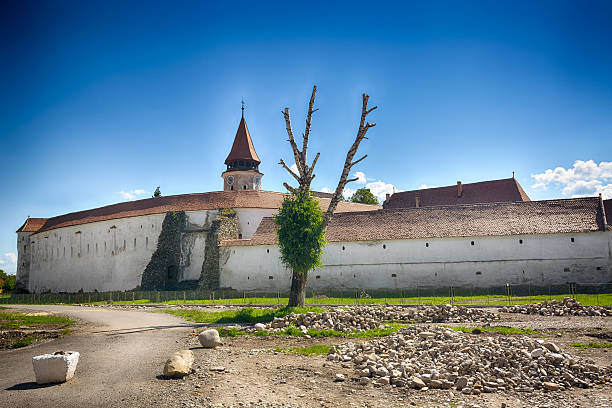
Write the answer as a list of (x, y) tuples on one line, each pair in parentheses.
[(295, 332), (316, 350), (18, 324), (492, 300), (245, 315), (12, 320), (583, 346)]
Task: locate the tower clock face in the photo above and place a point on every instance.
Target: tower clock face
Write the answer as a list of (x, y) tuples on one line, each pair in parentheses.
[(230, 180)]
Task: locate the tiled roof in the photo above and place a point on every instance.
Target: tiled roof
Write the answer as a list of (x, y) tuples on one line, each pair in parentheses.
[(243, 148), (184, 202), (475, 220), (492, 191), (32, 224)]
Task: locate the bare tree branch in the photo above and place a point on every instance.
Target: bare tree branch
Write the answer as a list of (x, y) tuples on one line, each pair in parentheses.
[(357, 161), (314, 162), (291, 189), (348, 163), (308, 121), (282, 163), (296, 153)]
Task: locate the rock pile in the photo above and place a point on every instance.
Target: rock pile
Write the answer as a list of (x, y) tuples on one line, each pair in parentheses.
[(372, 317), (441, 358), (566, 307)]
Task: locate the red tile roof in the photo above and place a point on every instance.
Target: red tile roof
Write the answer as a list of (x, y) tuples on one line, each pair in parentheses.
[(184, 202), (32, 224), (242, 149), (475, 220), (492, 191)]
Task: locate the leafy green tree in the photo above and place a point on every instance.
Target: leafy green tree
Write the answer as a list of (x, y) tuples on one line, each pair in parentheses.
[(364, 196), (157, 192), (301, 239), (9, 281), (302, 224)]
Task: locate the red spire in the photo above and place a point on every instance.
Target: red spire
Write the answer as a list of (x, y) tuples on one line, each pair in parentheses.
[(242, 149)]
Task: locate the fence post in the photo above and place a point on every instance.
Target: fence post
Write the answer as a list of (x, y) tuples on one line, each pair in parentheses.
[(508, 293)]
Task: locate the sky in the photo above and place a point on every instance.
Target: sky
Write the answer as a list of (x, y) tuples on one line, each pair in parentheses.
[(101, 102)]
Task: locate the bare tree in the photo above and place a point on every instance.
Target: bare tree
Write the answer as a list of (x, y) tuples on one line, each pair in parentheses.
[(305, 175)]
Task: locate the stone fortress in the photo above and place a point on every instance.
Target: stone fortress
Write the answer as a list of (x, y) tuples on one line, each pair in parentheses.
[(481, 234)]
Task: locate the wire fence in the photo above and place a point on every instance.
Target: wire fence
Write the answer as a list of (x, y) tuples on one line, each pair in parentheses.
[(587, 293)]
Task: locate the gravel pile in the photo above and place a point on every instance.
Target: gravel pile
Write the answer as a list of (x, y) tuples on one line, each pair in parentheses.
[(371, 317), (441, 358), (566, 307)]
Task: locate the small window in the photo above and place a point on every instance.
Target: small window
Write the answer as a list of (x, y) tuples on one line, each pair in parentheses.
[(124, 244), (87, 248), (572, 239), (472, 243), (134, 242), (520, 241), (141, 227), (598, 268), (248, 278), (318, 277), (244, 187), (354, 276), (384, 246), (267, 250), (427, 245), (146, 242), (343, 248), (478, 273), (394, 275), (232, 188), (566, 269), (152, 226), (270, 277), (239, 236)]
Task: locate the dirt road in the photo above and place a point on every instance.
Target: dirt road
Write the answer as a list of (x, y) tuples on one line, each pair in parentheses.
[(122, 352)]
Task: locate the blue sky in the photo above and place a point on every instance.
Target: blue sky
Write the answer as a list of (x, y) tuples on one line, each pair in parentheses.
[(103, 101)]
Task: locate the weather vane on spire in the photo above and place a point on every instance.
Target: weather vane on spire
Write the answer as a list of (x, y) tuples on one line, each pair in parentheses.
[(242, 107)]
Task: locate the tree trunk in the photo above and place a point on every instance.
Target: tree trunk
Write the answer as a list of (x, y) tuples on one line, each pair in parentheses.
[(297, 297)]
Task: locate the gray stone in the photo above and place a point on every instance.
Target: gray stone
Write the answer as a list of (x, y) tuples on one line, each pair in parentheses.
[(209, 338)]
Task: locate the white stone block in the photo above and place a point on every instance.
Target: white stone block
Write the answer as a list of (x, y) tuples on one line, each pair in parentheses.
[(55, 368)]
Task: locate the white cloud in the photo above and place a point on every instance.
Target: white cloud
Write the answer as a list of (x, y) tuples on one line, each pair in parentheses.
[(9, 260), (361, 177), (326, 190), (424, 186), (584, 178), (130, 195), (348, 193), (294, 168), (12, 257)]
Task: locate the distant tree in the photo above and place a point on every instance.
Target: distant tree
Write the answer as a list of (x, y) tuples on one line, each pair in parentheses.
[(157, 192), (364, 196), (9, 281)]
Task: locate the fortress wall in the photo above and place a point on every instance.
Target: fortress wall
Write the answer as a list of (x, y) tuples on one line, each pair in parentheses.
[(540, 260), (103, 256), (250, 218)]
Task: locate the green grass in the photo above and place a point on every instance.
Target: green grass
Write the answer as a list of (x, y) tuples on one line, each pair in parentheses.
[(493, 300), (316, 350), (11, 320), (498, 329), (583, 346), (26, 341), (295, 332), (245, 315)]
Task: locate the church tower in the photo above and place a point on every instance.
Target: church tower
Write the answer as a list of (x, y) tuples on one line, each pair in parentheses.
[(242, 171)]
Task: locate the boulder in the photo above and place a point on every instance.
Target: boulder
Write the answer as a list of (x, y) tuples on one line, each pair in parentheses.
[(55, 368), (209, 338), (179, 364), (260, 326)]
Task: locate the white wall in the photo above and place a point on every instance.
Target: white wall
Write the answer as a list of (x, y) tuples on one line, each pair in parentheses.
[(250, 218), (539, 260), (93, 257), (105, 255)]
